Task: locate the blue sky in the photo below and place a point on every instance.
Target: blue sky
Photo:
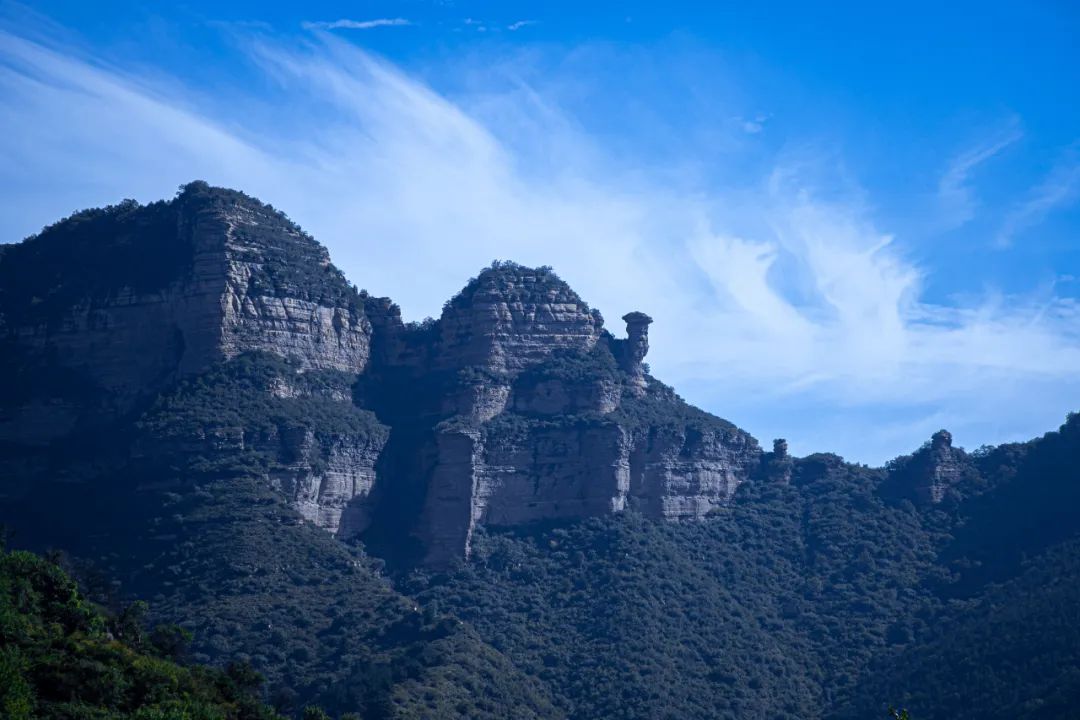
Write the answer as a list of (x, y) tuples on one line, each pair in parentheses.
[(853, 225)]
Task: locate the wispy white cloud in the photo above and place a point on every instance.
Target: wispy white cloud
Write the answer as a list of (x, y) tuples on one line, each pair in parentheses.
[(520, 24), (345, 24), (781, 306), (754, 125), (955, 194), (1060, 188)]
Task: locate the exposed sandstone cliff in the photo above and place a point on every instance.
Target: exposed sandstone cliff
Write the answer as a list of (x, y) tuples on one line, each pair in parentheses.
[(259, 307), (552, 423), (131, 298), (259, 415), (516, 470), (511, 317), (515, 406)]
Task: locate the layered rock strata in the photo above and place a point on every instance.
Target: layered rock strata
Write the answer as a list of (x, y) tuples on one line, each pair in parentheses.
[(504, 321), (567, 424), (229, 285), (516, 404), (329, 480)]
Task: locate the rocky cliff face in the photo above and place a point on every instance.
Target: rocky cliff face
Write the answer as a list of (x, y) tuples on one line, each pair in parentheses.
[(252, 301), (129, 299), (259, 415), (551, 418), (683, 472), (328, 479), (504, 476), (933, 474), (514, 471), (511, 317), (516, 406)]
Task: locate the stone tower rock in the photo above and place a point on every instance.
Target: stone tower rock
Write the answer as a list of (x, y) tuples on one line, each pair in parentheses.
[(778, 464), (935, 472), (636, 347), (943, 468)]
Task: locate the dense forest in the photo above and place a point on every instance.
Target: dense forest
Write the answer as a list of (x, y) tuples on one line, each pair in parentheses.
[(823, 597), (63, 658)]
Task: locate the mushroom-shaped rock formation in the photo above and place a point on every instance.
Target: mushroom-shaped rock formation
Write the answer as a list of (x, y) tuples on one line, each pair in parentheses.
[(636, 347)]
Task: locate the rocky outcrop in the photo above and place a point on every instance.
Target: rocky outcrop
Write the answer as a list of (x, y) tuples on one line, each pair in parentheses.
[(515, 471), (777, 466), (549, 417), (579, 438), (120, 347), (450, 513), (934, 473), (509, 476), (511, 317), (552, 473), (683, 472), (258, 416), (941, 467), (478, 401), (237, 276), (554, 396), (329, 479), (249, 309), (636, 348)]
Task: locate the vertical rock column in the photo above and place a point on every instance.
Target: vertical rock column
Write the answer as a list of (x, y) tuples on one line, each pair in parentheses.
[(636, 348), (943, 468), (778, 464)]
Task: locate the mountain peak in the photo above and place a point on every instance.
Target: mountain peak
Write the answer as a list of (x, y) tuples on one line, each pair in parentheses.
[(511, 316), (131, 297), (512, 282)]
